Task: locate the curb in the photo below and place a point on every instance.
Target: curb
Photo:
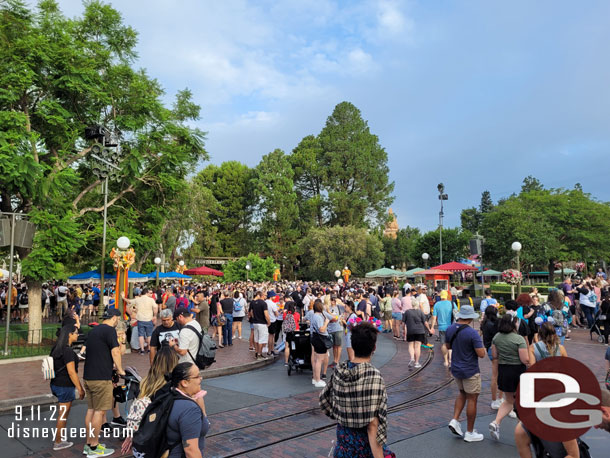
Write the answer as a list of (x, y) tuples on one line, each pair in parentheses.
[(8, 405), (22, 360)]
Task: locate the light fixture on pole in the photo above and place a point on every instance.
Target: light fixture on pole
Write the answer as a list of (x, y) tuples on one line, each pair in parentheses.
[(248, 268), (123, 258), (157, 264), (441, 196), (15, 232), (516, 247), (425, 257)]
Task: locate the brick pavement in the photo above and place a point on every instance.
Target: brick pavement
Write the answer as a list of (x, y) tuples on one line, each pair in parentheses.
[(403, 424), (24, 379)]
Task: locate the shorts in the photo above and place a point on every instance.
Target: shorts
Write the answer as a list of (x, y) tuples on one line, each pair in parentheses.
[(508, 376), (348, 340), (239, 319), (337, 338), (416, 338), (63, 393), (99, 394), (145, 328), (443, 336), (96, 302), (272, 327), (491, 358), (397, 316), (387, 315), (470, 385), (317, 343), (261, 333), (23, 306)]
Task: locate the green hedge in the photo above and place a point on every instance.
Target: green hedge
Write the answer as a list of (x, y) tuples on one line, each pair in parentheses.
[(542, 289)]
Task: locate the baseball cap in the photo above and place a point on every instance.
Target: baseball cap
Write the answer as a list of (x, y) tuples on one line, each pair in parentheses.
[(444, 295), (112, 312), (181, 311)]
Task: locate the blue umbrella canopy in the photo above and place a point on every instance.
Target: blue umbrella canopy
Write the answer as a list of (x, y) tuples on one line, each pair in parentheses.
[(89, 276)]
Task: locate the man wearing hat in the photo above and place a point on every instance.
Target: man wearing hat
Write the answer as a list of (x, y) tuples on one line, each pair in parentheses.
[(188, 340), (467, 348), (102, 351), (443, 313)]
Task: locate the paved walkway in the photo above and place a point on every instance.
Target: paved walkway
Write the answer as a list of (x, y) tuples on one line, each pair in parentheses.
[(265, 413)]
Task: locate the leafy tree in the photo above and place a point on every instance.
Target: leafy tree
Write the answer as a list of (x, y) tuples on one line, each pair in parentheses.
[(531, 183), (262, 269), (59, 76), (309, 178), (402, 249), (327, 249), (355, 167), (471, 219), (277, 211), (230, 186), (455, 245)]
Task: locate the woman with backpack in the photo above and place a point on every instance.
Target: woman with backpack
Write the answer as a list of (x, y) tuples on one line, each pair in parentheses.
[(289, 326), (489, 328), (188, 424), (154, 384), (65, 365), (239, 312)]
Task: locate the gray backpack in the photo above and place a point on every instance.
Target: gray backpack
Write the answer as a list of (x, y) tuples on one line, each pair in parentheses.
[(206, 354)]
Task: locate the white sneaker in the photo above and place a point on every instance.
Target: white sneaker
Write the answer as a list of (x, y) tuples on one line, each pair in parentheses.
[(455, 427), (496, 404), (494, 430), (411, 363), (320, 384), (473, 436), (512, 414), (417, 365), (62, 445), (313, 382)]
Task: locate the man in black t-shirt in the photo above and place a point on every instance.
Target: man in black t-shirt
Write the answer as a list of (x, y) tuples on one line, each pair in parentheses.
[(227, 303), (259, 317), (102, 351), (167, 331)]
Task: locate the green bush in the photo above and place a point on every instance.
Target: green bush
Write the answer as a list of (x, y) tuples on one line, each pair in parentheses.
[(505, 288)]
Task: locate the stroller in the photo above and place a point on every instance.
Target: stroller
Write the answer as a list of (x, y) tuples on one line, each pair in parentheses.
[(599, 327), (124, 393), (300, 351)]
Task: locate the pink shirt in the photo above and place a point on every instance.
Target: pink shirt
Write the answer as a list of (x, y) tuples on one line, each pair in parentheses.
[(405, 302), (396, 305)]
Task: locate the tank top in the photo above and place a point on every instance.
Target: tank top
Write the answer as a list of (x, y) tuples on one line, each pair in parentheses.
[(541, 351)]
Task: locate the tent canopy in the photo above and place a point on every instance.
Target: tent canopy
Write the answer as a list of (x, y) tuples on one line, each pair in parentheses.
[(490, 273), (384, 272), (135, 277), (412, 272), (434, 271), (169, 276), (203, 270), (455, 267), (86, 277)]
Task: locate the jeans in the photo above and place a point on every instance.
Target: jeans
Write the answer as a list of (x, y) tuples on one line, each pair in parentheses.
[(589, 313), (227, 330)]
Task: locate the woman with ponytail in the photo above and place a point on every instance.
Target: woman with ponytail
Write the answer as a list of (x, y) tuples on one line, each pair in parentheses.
[(548, 345)]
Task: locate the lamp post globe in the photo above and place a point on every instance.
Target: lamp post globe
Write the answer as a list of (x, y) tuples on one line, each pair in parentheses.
[(181, 263), (157, 260), (248, 267), (123, 243), (425, 257), (516, 246)]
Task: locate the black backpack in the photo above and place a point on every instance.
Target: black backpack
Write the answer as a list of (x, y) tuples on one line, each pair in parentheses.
[(206, 354), (150, 440)]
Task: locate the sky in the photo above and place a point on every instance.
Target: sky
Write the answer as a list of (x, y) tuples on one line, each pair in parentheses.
[(474, 94)]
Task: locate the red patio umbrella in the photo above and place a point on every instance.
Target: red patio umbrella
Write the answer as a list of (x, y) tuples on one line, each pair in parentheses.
[(203, 270), (456, 267)]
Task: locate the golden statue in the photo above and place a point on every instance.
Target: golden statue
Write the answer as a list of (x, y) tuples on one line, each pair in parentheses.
[(391, 227)]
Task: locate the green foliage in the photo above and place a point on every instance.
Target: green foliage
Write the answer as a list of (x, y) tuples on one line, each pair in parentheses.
[(486, 204), (531, 183), (230, 186), (355, 167), (309, 182), (552, 225), (262, 269), (331, 248), (470, 219), (276, 202), (402, 249), (455, 245)]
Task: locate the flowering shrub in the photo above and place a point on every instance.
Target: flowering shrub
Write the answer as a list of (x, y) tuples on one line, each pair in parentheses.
[(512, 276), (580, 266)]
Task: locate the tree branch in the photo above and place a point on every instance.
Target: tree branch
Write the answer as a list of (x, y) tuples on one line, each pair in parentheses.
[(130, 188), (85, 191)]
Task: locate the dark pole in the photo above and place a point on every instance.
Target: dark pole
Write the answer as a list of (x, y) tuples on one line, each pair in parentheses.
[(9, 293)]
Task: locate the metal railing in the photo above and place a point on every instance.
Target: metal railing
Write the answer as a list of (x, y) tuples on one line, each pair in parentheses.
[(23, 342)]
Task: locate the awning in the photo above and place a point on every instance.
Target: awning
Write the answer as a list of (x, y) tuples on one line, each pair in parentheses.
[(203, 270), (385, 272), (490, 273), (86, 277), (456, 267), (411, 273)]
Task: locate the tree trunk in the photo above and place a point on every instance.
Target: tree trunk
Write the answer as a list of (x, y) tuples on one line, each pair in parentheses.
[(35, 312), (552, 272)]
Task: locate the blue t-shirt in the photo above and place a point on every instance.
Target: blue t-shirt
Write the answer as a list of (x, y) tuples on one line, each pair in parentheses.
[(443, 310), (96, 293), (487, 302), (317, 321), (464, 359), (186, 421), (335, 326)]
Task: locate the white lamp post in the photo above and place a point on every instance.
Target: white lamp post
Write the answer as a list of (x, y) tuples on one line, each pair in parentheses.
[(248, 268), (425, 257), (157, 264), (516, 247)]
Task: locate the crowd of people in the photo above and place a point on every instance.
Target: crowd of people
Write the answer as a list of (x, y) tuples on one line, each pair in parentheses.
[(166, 323)]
